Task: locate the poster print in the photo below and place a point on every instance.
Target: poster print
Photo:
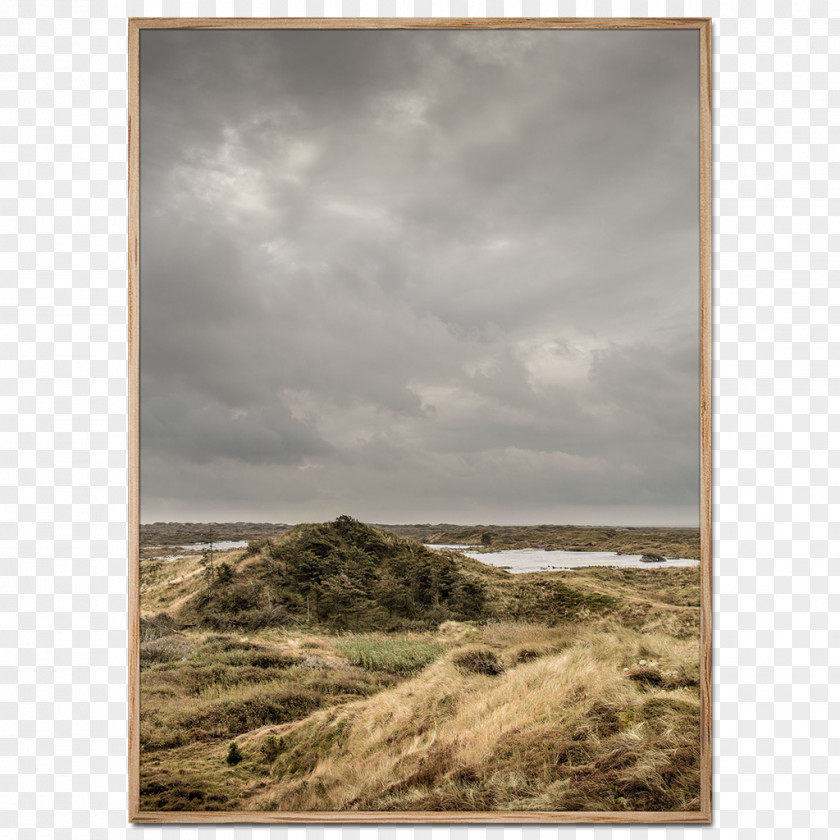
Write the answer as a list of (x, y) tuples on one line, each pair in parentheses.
[(420, 441)]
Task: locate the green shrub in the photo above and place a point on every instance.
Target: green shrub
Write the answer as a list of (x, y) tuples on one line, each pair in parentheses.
[(272, 747), (224, 574), (256, 546), (233, 756)]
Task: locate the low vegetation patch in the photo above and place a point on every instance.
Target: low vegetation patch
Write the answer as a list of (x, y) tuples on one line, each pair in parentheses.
[(156, 626), (237, 711), (645, 676), (478, 660), (172, 648), (401, 655), (271, 747)]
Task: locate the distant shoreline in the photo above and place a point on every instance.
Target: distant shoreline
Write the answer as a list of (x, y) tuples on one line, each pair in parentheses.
[(668, 541)]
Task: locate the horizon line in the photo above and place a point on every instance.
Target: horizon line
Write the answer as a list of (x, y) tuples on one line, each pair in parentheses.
[(413, 524)]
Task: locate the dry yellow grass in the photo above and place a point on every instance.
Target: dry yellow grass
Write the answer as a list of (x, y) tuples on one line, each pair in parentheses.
[(571, 691), (166, 585), (566, 730)]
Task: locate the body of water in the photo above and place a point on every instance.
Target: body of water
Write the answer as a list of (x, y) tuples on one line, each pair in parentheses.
[(537, 560), (219, 545), (181, 550)]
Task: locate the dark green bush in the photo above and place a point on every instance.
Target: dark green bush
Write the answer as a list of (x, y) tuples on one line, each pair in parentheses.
[(224, 574), (233, 756), (256, 546), (478, 661)]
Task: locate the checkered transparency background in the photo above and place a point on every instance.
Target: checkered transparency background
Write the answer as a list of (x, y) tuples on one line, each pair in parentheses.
[(63, 390)]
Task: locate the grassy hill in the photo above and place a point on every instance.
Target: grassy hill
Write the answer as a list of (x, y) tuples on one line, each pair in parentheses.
[(340, 575), (357, 669)]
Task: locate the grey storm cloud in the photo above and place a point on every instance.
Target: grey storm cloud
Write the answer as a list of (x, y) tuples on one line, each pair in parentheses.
[(420, 276)]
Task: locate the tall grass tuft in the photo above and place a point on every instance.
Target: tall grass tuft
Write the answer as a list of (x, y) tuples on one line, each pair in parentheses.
[(400, 655)]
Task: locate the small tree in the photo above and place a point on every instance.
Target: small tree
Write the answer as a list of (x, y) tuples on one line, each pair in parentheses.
[(393, 594), (468, 599), (224, 574), (207, 555), (233, 756), (341, 597)]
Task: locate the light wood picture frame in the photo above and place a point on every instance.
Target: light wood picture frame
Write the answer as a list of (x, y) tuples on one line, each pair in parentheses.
[(185, 639)]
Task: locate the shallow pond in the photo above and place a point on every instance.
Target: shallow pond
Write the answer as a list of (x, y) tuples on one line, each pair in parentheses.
[(538, 560), (181, 550)]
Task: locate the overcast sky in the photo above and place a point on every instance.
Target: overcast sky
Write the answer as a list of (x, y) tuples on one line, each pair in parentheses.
[(420, 276)]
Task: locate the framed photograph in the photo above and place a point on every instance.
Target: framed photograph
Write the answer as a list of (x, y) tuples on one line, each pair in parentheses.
[(420, 420)]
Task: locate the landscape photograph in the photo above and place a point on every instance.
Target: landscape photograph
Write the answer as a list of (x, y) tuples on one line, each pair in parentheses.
[(418, 449)]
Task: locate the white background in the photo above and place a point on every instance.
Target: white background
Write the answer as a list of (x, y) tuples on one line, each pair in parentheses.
[(63, 420)]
